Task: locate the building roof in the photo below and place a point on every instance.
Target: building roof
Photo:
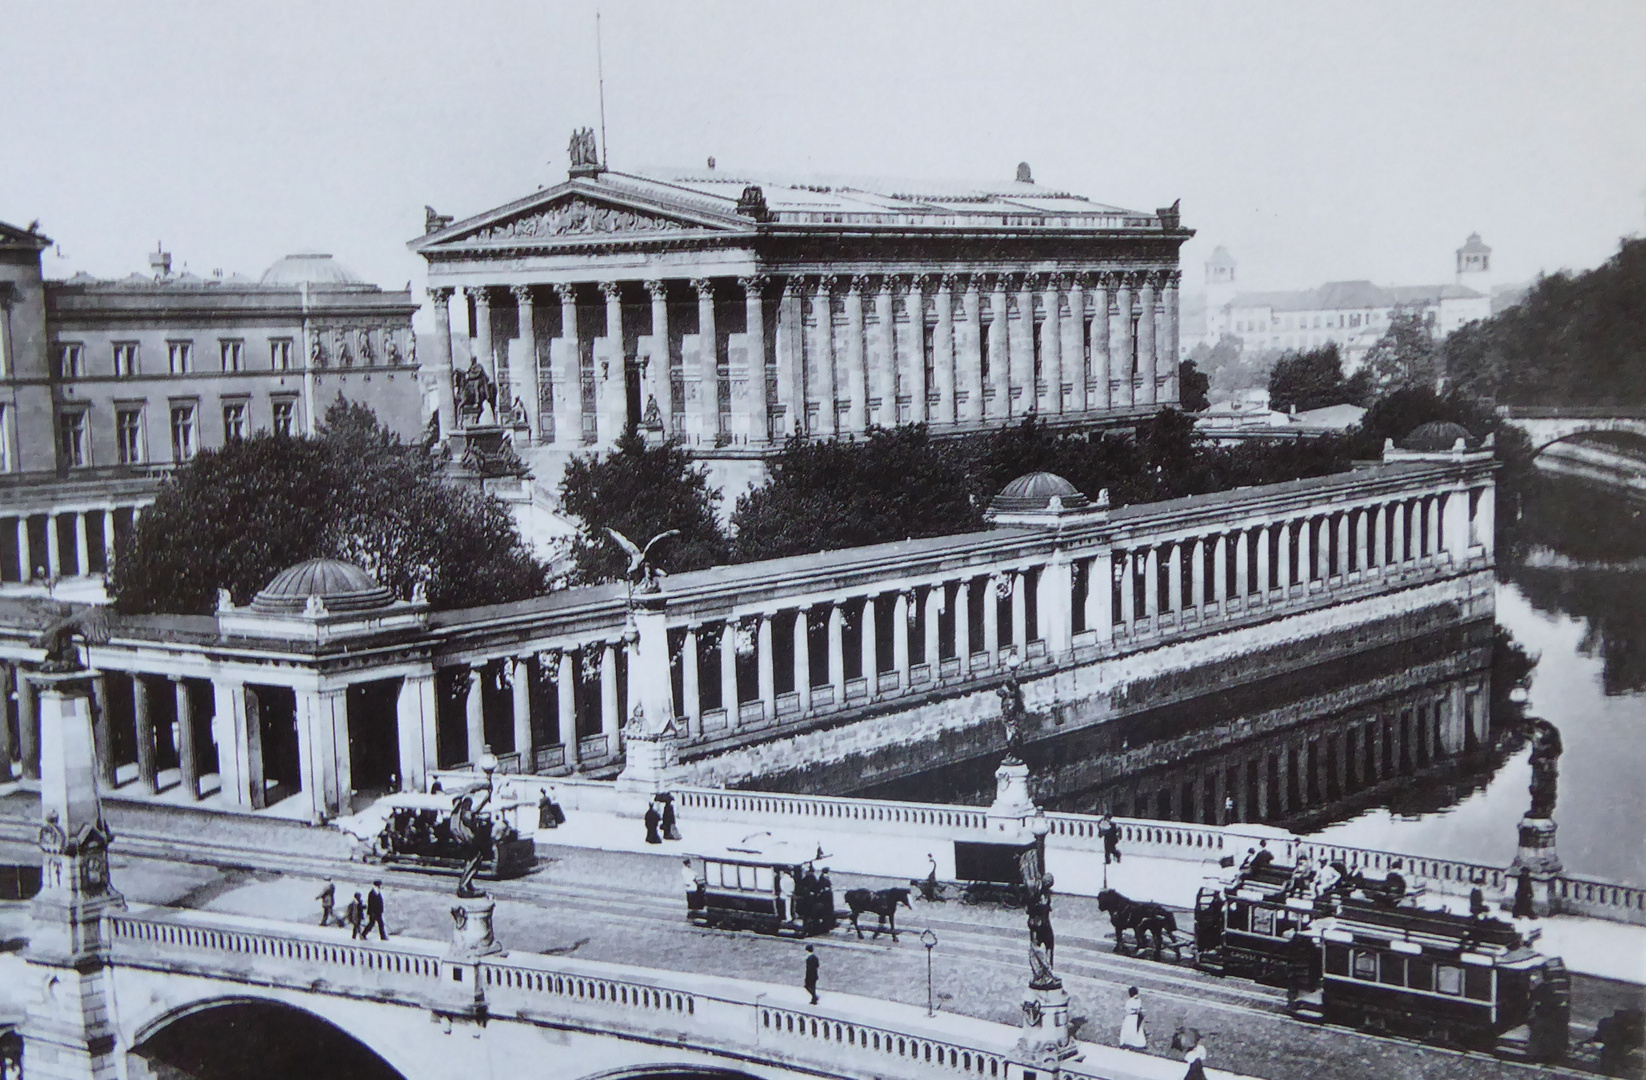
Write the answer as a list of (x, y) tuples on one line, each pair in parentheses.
[(341, 586), (1035, 491), (29, 239), (1352, 295), (308, 268), (1435, 436), (1474, 245)]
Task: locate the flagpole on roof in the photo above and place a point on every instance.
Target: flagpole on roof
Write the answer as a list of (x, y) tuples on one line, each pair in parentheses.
[(600, 76)]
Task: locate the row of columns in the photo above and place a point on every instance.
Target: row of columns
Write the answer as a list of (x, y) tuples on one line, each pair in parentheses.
[(91, 532), (811, 359)]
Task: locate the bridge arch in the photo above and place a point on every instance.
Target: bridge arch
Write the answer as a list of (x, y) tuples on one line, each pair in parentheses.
[(248, 1037), (671, 1072), (1634, 434)]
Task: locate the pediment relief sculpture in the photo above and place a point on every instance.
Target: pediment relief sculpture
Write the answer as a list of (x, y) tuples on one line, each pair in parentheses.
[(578, 217)]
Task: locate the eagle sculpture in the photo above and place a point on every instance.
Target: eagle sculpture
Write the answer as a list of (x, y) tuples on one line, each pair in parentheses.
[(89, 622), (641, 573)]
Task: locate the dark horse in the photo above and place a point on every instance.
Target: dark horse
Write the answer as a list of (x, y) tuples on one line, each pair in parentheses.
[(1140, 918), (884, 905)]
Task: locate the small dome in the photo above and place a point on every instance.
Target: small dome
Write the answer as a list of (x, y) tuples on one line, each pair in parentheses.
[(1435, 437), (312, 268), (342, 586), (1035, 491)]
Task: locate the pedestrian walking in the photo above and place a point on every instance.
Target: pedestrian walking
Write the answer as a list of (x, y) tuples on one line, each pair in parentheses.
[(1110, 832), (1194, 1052), (1132, 1034), (549, 814), (355, 914), (670, 830), (374, 913), (328, 905), (1523, 908), (811, 973), (652, 819)]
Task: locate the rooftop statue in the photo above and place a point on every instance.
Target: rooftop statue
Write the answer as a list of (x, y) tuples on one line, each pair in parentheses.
[(583, 152), (642, 572), (88, 622)]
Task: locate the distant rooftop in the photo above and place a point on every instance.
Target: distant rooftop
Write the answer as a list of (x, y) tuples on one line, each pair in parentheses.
[(1349, 295), (318, 271)]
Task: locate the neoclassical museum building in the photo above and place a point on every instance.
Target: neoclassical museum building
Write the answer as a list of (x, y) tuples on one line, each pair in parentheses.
[(731, 310)]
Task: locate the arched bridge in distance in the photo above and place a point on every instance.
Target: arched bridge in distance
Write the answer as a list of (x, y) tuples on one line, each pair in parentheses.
[(1549, 425)]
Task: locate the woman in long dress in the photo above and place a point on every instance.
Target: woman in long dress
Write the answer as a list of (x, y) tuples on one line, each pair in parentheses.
[(1132, 1035)]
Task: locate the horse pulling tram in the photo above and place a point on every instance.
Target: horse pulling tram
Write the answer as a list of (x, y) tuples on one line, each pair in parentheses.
[(767, 893), (444, 833)]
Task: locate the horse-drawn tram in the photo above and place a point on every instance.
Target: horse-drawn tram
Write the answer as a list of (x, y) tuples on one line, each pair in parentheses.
[(1466, 981), (444, 833), (767, 892)]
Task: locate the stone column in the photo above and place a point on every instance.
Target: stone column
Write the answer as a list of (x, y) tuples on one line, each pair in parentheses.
[(25, 557), (611, 722), (690, 688), (1343, 542), (565, 692), (1000, 350), (870, 651), (1051, 343), (857, 387), (481, 296), (1305, 560), (1486, 519), (527, 388), (610, 380), (914, 306), (1197, 575), (1100, 597), (1243, 564), (1323, 549), (969, 364), (728, 676), (754, 339), (1378, 553), (8, 752), (1120, 372), (416, 723), (767, 668), (1151, 588), (1128, 591), (1174, 580), (1169, 346), (900, 639), (837, 653), (1220, 572), (1147, 359), (474, 714), (108, 540), (802, 653), (54, 561), (703, 383), (1100, 394), (881, 378), (1359, 518), (445, 375), (231, 729), (1075, 363), (82, 549), (1054, 604), (1020, 613), (520, 681), (1022, 367), (656, 384), (568, 399), (991, 619), (1398, 547), (828, 411), (188, 769), (28, 726), (790, 359), (932, 646), (943, 357), (143, 722), (323, 751)]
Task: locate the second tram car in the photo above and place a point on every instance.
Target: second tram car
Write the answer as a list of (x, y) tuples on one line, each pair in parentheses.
[(766, 894)]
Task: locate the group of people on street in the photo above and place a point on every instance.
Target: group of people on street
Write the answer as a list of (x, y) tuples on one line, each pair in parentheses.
[(661, 825), (360, 916)]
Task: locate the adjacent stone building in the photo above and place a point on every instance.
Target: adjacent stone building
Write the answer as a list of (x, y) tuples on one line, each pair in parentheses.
[(105, 386), (731, 310)]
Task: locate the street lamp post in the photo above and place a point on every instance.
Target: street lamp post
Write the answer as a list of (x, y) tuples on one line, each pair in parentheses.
[(928, 939)]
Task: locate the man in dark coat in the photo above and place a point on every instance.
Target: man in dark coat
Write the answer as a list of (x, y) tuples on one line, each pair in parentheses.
[(374, 913), (354, 914), (328, 905), (670, 831), (811, 973), (652, 819)]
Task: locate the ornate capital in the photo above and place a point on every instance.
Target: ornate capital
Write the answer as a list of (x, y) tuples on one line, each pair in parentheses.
[(945, 283), (917, 284), (610, 290), (522, 294), (825, 286), (566, 292), (886, 284), (1054, 283), (480, 294), (753, 284), (659, 290), (1172, 278), (859, 283), (974, 283), (441, 295), (704, 287)]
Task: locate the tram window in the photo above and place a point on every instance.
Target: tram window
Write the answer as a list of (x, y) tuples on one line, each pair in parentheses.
[(1420, 973), (1365, 965), (763, 878), (1477, 983), (1449, 979), (1263, 921), (1392, 970), (1337, 960), (1236, 917)]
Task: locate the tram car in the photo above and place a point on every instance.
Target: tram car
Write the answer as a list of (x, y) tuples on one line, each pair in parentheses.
[(417, 834), (1466, 981), (769, 893), (1258, 930)]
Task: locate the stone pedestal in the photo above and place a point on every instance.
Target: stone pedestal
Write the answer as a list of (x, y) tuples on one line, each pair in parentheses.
[(651, 765), (472, 935), (1536, 855), (1012, 806), (1045, 1040), (651, 762)]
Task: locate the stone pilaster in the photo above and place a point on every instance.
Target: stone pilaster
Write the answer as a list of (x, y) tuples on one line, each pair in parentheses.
[(610, 369), (703, 378), (828, 391), (1147, 358), (444, 375), (752, 400), (857, 385), (1121, 369), (943, 354), (480, 296), (881, 374), (568, 398), (1051, 345), (968, 363), (1000, 351), (1075, 363), (1100, 395), (913, 384)]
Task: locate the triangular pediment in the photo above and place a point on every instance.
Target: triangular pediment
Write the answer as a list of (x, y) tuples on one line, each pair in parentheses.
[(576, 212)]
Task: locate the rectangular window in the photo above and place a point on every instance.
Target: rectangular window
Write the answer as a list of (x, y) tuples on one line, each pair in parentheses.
[(125, 359), (5, 436), (1449, 980), (1263, 921), (182, 432), (180, 357), (1337, 960), (1393, 970), (1477, 983), (1364, 965), (280, 354), (234, 420), (73, 434), (70, 360), (284, 416), (128, 427), (1420, 973), (234, 354)]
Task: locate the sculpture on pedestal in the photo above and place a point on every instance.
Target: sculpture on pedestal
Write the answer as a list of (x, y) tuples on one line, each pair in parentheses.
[(1545, 761), (85, 621), (1013, 716), (642, 573), (475, 393)]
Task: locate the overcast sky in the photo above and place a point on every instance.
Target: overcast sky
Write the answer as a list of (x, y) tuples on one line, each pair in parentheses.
[(1317, 141)]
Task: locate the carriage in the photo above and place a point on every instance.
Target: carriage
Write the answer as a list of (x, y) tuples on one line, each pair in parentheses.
[(767, 892), (1258, 930), (990, 872), (417, 834)]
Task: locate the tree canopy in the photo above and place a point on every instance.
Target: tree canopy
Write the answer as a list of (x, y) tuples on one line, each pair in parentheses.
[(641, 491), (235, 517), (1192, 385), (1313, 380), (1406, 355)]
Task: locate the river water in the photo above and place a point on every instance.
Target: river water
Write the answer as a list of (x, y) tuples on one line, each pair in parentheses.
[(1571, 596)]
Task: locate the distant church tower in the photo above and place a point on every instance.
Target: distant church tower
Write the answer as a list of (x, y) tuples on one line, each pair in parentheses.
[(1474, 265), (1220, 278)]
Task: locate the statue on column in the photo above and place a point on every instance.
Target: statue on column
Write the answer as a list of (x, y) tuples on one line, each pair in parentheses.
[(642, 573), (475, 393), (85, 621), (1013, 716), (1546, 750)]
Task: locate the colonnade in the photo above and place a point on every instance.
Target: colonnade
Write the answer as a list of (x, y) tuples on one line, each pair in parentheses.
[(66, 541), (752, 359)]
